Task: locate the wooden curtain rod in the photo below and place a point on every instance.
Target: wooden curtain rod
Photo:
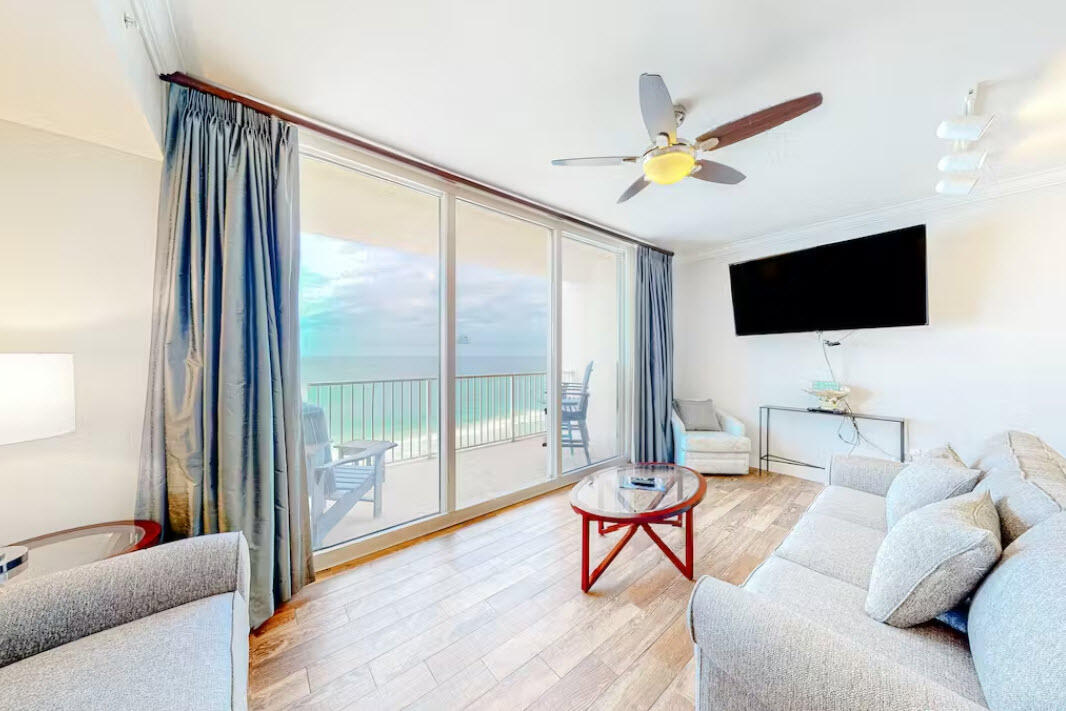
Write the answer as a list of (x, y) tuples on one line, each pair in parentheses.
[(345, 137)]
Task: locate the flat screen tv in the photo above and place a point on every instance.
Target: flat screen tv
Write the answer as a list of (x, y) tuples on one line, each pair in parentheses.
[(870, 282)]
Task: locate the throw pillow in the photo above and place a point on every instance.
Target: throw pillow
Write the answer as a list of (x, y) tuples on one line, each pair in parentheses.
[(932, 559), (923, 482), (947, 452), (698, 415), (956, 618)]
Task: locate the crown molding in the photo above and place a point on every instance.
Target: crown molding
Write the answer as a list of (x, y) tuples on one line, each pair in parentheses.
[(156, 26), (889, 217)]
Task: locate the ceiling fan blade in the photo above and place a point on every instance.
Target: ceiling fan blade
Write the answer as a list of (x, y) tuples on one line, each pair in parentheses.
[(633, 189), (717, 173), (761, 121), (602, 160), (657, 107)]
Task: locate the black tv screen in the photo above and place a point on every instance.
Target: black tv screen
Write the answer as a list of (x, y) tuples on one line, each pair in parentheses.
[(870, 282)]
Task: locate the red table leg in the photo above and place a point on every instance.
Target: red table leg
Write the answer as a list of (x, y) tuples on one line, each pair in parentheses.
[(689, 547), (588, 579), (584, 554)]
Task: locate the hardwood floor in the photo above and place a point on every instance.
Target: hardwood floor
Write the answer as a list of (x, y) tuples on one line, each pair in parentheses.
[(490, 614)]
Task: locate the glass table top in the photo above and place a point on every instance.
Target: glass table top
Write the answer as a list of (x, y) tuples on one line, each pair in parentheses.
[(615, 492), (69, 549)]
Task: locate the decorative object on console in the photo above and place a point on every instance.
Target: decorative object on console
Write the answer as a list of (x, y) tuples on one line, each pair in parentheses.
[(830, 395), (38, 396)]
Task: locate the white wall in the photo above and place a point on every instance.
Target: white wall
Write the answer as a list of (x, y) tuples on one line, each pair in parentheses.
[(993, 356), (77, 236)]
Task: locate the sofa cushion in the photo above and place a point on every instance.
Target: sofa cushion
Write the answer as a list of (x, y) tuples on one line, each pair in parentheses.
[(925, 482), (833, 546), (715, 442), (1017, 622), (1027, 480), (932, 650), (698, 414), (851, 505), (183, 657), (932, 559)]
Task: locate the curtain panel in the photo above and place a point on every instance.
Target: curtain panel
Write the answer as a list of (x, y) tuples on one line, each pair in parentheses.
[(655, 356), (222, 448)]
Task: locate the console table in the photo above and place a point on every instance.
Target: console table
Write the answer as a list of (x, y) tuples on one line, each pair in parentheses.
[(766, 456)]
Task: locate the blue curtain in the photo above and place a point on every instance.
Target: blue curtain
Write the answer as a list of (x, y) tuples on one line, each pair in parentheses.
[(222, 446), (655, 356)]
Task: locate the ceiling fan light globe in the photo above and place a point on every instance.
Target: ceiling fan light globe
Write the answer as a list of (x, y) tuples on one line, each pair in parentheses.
[(669, 166)]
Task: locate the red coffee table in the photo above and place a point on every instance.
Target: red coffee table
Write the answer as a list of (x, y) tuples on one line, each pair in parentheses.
[(605, 497)]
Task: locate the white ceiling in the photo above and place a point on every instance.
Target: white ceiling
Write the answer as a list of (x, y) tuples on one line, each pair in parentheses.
[(73, 67), (496, 89)]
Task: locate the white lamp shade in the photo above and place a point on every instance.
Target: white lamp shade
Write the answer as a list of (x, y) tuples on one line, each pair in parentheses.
[(36, 396)]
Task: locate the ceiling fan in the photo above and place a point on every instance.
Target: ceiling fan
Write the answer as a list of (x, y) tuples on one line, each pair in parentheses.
[(670, 159)]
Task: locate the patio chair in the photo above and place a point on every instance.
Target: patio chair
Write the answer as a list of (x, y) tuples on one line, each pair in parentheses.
[(574, 415), (345, 482)]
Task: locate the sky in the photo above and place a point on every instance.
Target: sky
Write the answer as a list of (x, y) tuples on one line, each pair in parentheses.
[(368, 301)]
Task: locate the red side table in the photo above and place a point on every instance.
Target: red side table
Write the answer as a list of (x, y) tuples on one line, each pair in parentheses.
[(86, 544)]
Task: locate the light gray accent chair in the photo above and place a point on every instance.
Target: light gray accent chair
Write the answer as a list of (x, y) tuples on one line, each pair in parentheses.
[(163, 628), (795, 635), (712, 452)]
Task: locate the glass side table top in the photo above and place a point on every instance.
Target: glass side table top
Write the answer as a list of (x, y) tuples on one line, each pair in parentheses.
[(609, 494), (77, 546)]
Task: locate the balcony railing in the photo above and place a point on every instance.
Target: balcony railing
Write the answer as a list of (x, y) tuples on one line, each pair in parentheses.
[(489, 409)]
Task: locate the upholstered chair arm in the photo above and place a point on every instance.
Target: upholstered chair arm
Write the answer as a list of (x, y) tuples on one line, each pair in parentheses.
[(754, 654), (867, 474), (37, 615), (679, 427), (731, 425)]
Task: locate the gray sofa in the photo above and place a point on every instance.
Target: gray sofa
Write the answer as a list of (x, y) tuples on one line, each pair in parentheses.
[(163, 628), (795, 635)]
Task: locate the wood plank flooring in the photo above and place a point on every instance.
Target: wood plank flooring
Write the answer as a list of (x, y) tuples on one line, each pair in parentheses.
[(490, 614)]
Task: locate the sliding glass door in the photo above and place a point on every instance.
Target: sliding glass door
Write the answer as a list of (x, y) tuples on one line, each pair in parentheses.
[(393, 263), (369, 339), (592, 357), (501, 352)]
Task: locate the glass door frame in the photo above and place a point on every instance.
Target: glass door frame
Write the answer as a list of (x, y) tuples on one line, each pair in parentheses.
[(323, 148), (626, 279)]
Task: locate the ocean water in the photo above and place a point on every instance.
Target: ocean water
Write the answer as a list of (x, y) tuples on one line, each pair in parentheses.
[(333, 369), (396, 399)]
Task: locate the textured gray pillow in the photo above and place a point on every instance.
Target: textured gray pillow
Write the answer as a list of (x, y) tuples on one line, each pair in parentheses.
[(932, 559), (924, 482), (1027, 480), (698, 415), (1017, 623), (946, 452)]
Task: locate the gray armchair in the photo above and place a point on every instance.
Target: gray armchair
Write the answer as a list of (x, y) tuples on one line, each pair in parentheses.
[(165, 627)]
